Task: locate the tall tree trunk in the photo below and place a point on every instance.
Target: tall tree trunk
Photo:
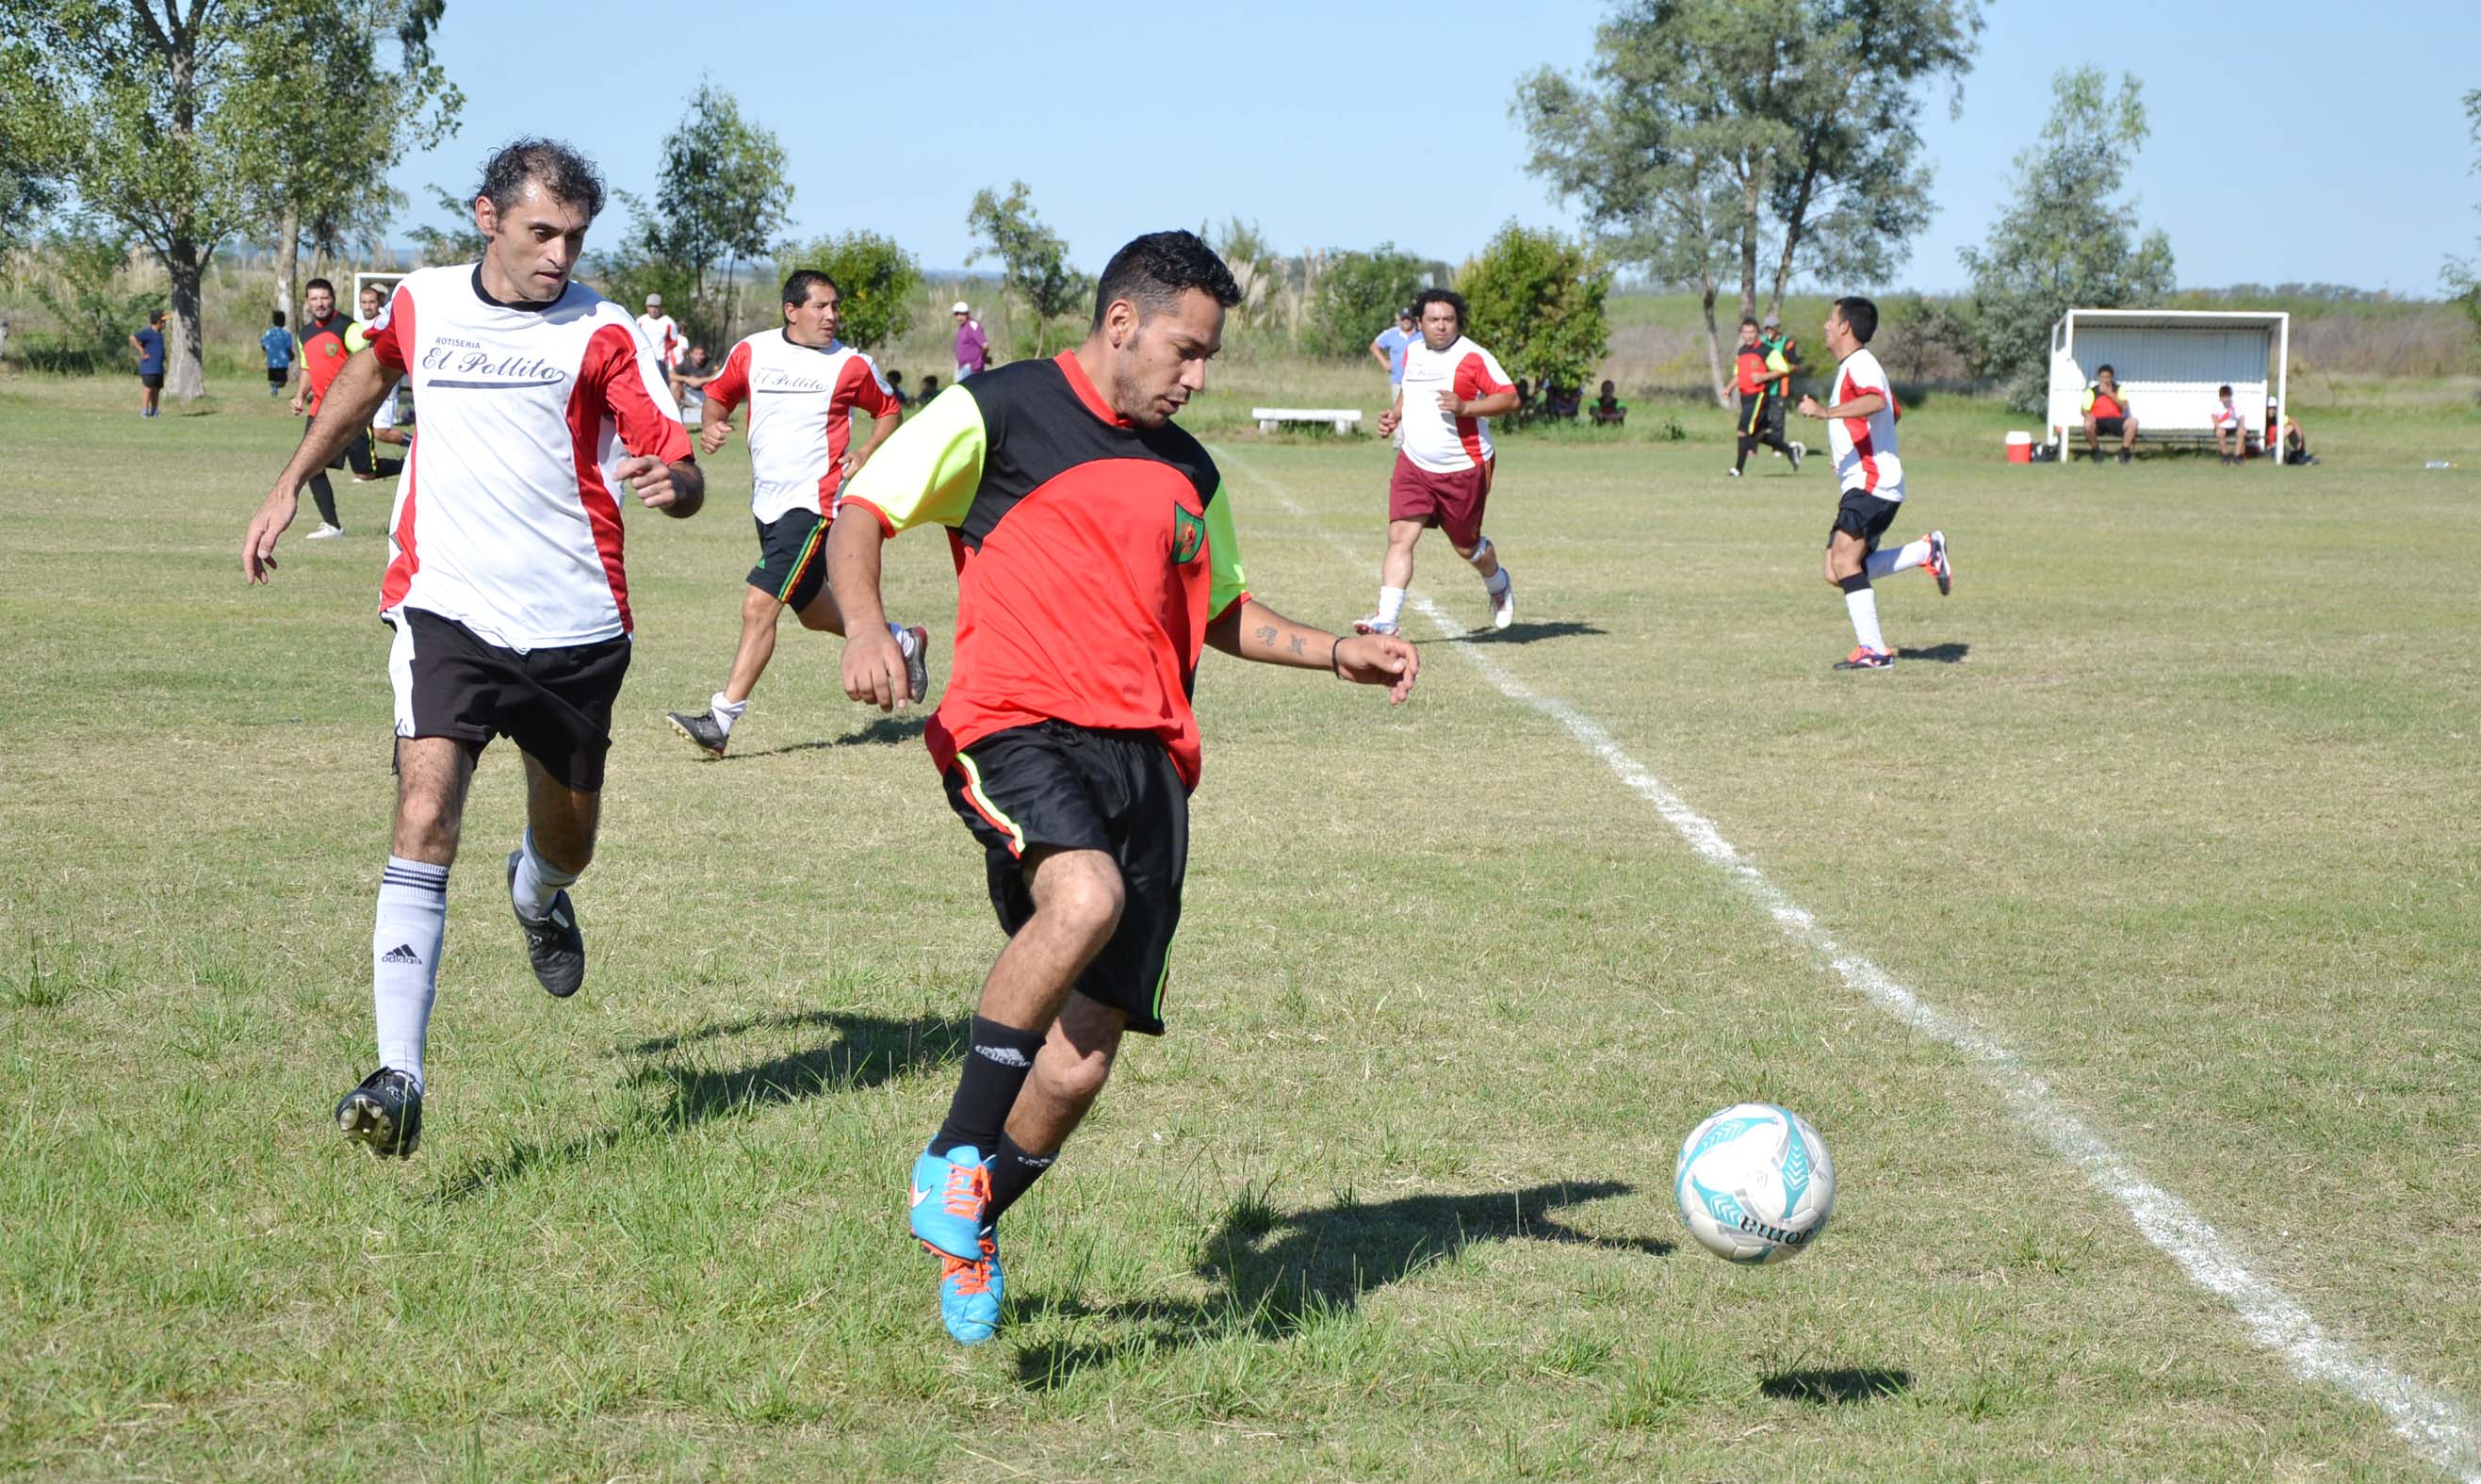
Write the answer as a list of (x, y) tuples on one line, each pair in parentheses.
[(1794, 229), (288, 261), (1713, 345), (1751, 194), (185, 374)]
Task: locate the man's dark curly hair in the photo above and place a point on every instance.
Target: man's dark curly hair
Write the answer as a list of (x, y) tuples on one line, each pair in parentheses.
[(562, 172), (1155, 270), (1423, 300)]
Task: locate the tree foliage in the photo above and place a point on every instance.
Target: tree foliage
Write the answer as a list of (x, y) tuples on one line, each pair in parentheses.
[(1033, 265), (79, 276), (722, 199), (1714, 138), (2066, 239), (2462, 277), (1256, 267), (180, 120), (454, 238), (1537, 302), (880, 282), (1356, 297)]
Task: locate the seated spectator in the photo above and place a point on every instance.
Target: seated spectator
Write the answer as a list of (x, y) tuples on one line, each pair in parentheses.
[(2230, 434), (1607, 409), (1563, 401), (1525, 404), (688, 382), (896, 384), (2296, 446), (930, 389), (2108, 415)]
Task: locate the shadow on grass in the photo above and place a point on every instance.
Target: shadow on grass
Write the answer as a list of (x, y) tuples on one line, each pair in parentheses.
[(884, 729), (1280, 1272), (1521, 633), (1840, 1387), (1937, 654), (861, 1051)]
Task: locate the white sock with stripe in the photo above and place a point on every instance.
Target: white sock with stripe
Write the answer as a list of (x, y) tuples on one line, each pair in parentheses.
[(404, 959), (1903, 558), (537, 880)]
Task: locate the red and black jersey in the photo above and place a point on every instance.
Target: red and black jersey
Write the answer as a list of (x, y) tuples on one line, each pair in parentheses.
[(322, 355), (1090, 554)]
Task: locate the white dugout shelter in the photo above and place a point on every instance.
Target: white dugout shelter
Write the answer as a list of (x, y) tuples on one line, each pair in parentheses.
[(2170, 361)]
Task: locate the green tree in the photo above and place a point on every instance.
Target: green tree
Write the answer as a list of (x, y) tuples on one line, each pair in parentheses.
[(458, 240), (1256, 267), (725, 201), (878, 282), (1034, 264), (1537, 301), (2066, 239), (1357, 294), (1714, 138), (80, 275), (25, 145), (2462, 277), (176, 119)]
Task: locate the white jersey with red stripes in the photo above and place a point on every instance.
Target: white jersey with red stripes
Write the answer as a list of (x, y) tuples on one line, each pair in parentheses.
[(1864, 447), (1435, 439), (664, 333), (801, 401), (508, 515)]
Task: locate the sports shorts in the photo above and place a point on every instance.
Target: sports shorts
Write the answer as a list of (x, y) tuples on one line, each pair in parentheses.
[(277, 375), (791, 558), (152, 380), (1753, 414), (1865, 516), (554, 704), (1074, 788), (2110, 426), (1452, 501)]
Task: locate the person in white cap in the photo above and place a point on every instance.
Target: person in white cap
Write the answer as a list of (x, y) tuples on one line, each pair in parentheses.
[(663, 333), (973, 346)]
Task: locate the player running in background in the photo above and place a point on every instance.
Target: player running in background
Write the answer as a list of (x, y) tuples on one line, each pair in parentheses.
[(1451, 389), (542, 408), (1752, 377), (1095, 557), (1783, 354), (322, 355), (802, 385), (1861, 436), (278, 343)]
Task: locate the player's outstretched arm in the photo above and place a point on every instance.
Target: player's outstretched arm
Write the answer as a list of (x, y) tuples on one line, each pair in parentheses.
[(1250, 630), (352, 398), (873, 668)]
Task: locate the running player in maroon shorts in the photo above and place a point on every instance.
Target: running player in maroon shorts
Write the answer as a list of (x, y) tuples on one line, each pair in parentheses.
[(1451, 389)]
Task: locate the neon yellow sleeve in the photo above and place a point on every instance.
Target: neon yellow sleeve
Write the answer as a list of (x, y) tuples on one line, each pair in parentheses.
[(929, 469), (1229, 585)]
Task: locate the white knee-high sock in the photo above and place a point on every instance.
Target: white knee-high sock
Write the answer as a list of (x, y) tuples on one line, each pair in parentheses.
[(404, 959), (1391, 604), (1903, 558), (537, 880), (1862, 605)]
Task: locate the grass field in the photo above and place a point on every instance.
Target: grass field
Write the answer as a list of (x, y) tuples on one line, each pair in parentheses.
[(2174, 798)]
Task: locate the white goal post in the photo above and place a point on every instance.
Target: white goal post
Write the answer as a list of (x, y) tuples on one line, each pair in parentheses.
[(2171, 361)]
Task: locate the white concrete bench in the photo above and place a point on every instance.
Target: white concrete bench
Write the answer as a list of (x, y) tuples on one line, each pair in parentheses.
[(1272, 419)]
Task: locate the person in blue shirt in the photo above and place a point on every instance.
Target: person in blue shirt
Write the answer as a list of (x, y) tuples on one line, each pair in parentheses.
[(148, 343), (278, 343), (1389, 349)]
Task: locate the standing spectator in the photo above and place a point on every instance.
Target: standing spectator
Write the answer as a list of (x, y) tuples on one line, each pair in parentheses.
[(1388, 350), (278, 343), (148, 343), (973, 346), (2230, 434), (662, 332)]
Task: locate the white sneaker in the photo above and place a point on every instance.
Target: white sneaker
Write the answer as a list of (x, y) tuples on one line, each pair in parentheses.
[(1734, 473), (1799, 451), (1372, 625), (1502, 603), (323, 532)]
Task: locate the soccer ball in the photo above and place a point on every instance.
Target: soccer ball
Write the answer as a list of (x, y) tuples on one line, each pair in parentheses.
[(1754, 1183)]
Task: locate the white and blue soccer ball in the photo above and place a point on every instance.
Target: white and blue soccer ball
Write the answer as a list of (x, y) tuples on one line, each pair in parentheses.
[(1755, 1183)]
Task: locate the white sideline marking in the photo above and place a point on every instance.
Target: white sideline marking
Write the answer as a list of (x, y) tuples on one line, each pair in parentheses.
[(2432, 1421)]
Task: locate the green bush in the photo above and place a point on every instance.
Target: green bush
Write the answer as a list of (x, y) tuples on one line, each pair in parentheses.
[(1357, 296)]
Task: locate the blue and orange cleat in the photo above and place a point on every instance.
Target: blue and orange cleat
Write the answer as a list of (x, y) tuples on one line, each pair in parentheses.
[(1865, 658), (1940, 566), (950, 1195), (970, 1290)]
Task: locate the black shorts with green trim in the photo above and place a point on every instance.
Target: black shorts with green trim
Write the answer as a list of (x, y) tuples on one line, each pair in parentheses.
[(1072, 787), (1753, 413), (791, 558)]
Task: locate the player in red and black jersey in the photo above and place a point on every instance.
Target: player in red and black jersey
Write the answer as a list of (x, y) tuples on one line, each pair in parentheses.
[(1095, 559), (322, 355)]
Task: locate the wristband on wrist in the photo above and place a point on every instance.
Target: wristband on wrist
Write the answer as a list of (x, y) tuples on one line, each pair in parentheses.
[(1334, 660)]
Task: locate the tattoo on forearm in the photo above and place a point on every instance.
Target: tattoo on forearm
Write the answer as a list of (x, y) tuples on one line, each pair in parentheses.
[(1298, 647), (1265, 632)]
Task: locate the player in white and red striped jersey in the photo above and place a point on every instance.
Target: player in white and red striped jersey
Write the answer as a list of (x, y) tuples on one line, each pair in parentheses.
[(1861, 435), (662, 332), (1451, 389), (541, 407), (804, 386)]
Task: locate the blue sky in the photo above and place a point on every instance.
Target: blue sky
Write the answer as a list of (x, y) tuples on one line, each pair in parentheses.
[(2292, 141)]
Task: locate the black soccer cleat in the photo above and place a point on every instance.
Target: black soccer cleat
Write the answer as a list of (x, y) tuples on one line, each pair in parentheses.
[(553, 944), (700, 728), (383, 1114), (917, 664)]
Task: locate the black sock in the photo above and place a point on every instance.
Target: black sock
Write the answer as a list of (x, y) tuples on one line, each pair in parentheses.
[(1013, 1172), (1775, 441), (323, 495), (1746, 443), (997, 1059)]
